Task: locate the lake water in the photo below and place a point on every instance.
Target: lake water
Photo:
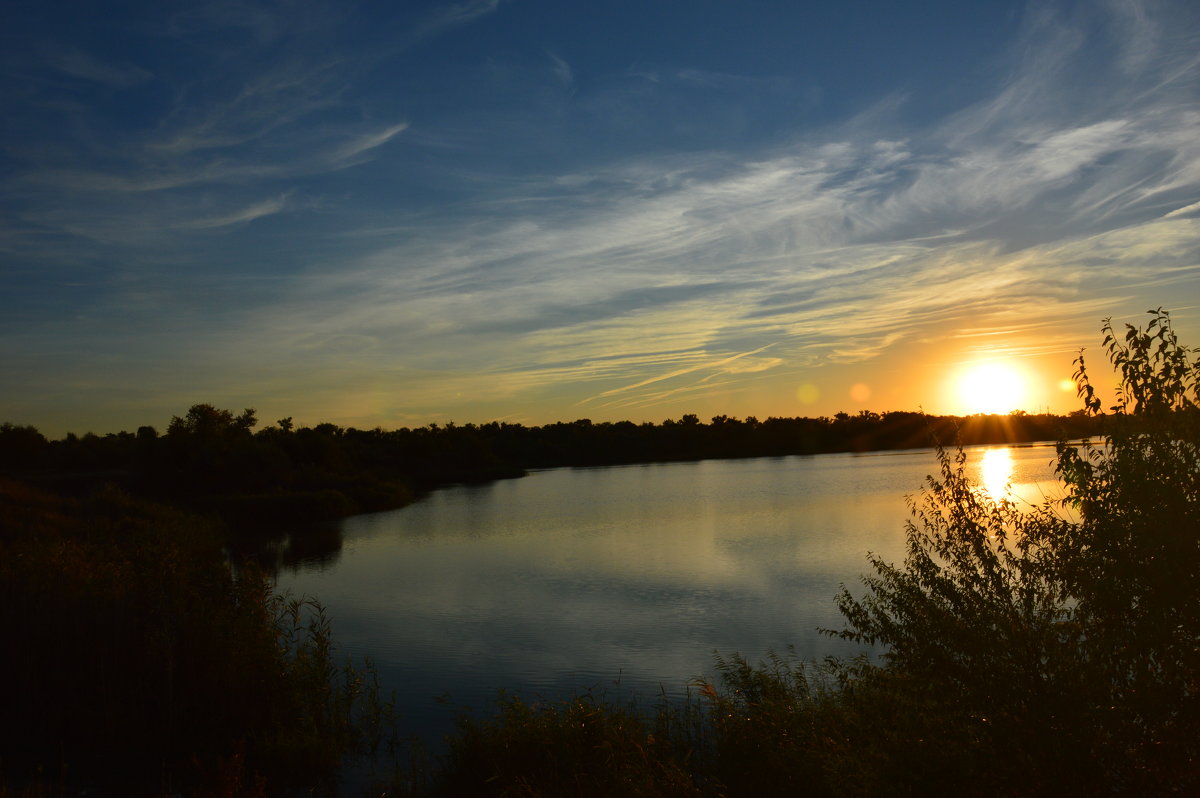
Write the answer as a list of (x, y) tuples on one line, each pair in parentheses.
[(621, 579)]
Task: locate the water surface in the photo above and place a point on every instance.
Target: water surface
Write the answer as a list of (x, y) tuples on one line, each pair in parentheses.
[(623, 579)]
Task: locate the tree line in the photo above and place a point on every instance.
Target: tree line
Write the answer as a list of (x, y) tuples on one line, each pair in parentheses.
[(213, 459)]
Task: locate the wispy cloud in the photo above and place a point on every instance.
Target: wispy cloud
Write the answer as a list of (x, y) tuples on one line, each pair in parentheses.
[(1186, 210), (248, 214), (715, 365), (562, 71), (79, 64), (257, 105), (365, 143), (453, 15)]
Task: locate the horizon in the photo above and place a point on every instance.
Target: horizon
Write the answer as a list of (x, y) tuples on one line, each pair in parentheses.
[(515, 211), (261, 423)]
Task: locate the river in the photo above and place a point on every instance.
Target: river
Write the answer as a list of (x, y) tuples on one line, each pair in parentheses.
[(622, 580)]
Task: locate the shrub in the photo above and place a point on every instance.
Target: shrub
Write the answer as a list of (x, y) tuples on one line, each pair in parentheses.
[(1065, 636)]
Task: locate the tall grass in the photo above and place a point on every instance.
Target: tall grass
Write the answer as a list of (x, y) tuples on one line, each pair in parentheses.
[(778, 728), (783, 727), (580, 746)]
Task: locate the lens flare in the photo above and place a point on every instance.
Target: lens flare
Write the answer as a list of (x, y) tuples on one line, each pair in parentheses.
[(807, 394)]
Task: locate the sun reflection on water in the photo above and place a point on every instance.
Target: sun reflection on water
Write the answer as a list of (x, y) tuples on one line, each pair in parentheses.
[(995, 473)]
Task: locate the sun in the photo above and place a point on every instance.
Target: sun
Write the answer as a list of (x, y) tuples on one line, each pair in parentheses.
[(991, 388)]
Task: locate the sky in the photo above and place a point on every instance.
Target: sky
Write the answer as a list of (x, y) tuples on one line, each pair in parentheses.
[(391, 214)]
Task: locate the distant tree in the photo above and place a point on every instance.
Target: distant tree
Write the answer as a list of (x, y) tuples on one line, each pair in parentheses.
[(333, 430), (20, 445), (206, 421)]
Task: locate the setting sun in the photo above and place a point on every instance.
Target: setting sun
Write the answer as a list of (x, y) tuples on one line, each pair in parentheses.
[(991, 388)]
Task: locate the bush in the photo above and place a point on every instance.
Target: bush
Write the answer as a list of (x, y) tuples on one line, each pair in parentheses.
[(1065, 636)]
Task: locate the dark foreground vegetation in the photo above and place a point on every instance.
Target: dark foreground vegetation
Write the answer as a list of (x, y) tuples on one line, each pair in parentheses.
[(139, 663), (1052, 651)]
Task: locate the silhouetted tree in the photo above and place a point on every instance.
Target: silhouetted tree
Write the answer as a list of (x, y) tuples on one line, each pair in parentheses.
[(1067, 643), (206, 421), (20, 446)]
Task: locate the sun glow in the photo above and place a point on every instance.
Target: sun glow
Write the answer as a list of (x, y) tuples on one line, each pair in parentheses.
[(991, 388)]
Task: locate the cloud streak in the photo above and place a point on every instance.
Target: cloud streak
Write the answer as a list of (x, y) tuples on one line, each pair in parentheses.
[(363, 144), (79, 64), (258, 210), (714, 365)]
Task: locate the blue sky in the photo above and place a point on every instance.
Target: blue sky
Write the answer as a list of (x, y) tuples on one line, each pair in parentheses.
[(397, 213)]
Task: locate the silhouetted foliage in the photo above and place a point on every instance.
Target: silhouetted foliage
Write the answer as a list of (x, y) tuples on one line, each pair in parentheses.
[(19, 446), (207, 422), (575, 747), (1068, 642), (139, 664)]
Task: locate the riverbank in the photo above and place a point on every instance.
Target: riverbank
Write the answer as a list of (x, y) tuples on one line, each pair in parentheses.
[(213, 461)]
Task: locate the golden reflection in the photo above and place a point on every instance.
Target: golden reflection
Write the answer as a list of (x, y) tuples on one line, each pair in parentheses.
[(995, 473)]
